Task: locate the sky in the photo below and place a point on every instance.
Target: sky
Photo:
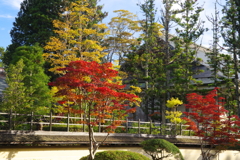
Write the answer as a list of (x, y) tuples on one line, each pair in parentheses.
[(10, 8)]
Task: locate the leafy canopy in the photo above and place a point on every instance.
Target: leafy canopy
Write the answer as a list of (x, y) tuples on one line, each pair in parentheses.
[(117, 155), (121, 38), (92, 90), (77, 38), (14, 96), (174, 116), (35, 80), (91, 87), (33, 24), (210, 121), (173, 102)]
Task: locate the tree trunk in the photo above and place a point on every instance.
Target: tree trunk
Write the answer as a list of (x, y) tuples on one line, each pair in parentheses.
[(93, 144)]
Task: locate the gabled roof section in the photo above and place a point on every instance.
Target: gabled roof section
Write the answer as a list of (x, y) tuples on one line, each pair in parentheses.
[(205, 72)]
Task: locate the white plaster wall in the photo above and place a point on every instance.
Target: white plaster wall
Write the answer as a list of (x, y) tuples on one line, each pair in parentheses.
[(76, 153), (55, 153)]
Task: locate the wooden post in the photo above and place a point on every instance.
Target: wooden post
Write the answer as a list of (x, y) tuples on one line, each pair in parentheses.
[(126, 125), (181, 129), (165, 128), (68, 122), (172, 129), (50, 123), (150, 132), (10, 120), (99, 126), (138, 126), (189, 133), (84, 120), (160, 125), (31, 122)]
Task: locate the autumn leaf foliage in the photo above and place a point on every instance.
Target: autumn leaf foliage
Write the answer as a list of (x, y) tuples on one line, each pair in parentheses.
[(92, 88), (77, 36), (211, 121)]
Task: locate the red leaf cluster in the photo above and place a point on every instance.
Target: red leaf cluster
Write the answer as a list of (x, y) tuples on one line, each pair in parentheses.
[(98, 97), (210, 120)]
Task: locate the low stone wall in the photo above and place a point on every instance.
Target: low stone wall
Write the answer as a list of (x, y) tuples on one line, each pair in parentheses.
[(41, 145), (75, 153), (46, 137)]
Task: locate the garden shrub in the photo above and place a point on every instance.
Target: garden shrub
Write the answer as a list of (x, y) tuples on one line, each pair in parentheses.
[(59, 127), (156, 147), (117, 155)]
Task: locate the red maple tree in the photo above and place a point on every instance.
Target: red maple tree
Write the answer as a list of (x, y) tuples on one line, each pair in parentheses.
[(93, 90), (217, 129)]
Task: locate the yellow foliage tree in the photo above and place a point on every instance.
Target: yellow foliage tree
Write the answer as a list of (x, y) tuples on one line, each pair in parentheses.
[(122, 29), (174, 116), (77, 37), (173, 103)]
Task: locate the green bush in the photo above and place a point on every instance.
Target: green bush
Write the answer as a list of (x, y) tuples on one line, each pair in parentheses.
[(156, 147), (59, 127), (117, 155)]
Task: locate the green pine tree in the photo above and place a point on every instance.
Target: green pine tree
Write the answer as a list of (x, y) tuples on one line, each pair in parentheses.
[(166, 20), (230, 33), (33, 24), (145, 64), (221, 65), (227, 86), (214, 57), (14, 96), (189, 30), (35, 80)]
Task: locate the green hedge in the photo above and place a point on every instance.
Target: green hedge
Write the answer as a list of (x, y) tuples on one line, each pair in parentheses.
[(59, 127), (117, 155)]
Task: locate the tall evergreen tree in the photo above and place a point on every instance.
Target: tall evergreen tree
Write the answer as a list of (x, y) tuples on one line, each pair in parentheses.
[(35, 80), (189, 30), (214, 57), (168, 58), (33, 24), (14, 96), (145, 63), (221, 64), (228, 90), (149, 11), (166, 19), (231, 35)]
